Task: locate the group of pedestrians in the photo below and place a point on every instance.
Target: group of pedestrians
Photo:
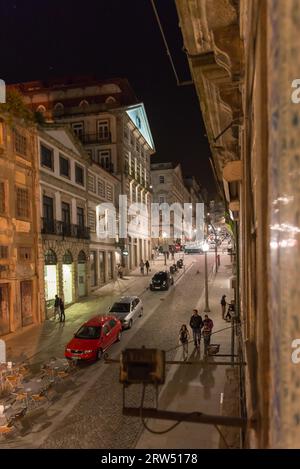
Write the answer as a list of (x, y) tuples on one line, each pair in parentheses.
[(59, 309), (200, 328), (143, 266)]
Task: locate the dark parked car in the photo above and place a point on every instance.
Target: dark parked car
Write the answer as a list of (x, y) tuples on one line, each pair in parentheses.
[(161, 281)]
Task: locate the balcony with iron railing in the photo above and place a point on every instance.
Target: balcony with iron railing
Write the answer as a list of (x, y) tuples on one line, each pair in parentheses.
[(94, 138), (66, 230)]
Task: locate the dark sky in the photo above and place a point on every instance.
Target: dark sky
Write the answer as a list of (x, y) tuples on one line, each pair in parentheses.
[(110, 38)]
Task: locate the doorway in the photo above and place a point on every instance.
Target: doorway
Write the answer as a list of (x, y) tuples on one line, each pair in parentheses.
[(68, 277)]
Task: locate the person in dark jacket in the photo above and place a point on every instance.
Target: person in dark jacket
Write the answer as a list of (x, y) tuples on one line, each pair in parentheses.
[(56, 307), (147, 265), (62, 310), (196, 324), (223, 306)]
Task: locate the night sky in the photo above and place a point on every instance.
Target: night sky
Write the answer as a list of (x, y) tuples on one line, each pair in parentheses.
[(112, 38)]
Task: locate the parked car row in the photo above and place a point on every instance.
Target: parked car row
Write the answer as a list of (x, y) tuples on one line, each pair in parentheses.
[(96, 335)]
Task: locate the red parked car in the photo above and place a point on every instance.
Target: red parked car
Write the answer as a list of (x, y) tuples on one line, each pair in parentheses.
[(93, 338)]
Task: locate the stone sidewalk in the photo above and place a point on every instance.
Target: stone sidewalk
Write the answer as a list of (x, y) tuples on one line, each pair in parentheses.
[(199, 387), (39, 342)]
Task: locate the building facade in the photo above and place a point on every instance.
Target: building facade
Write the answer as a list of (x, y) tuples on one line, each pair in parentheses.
[(77, 259), (113, 128), (21, 260), (244, 64), (169, 188)]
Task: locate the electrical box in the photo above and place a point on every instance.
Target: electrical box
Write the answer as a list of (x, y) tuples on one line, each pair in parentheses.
[(142, 366)]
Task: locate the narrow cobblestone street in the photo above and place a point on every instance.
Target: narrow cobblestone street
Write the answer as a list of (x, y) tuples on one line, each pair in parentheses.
[(71, 421)]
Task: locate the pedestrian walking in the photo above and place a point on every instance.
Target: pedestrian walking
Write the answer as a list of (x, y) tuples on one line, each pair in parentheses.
[(142, 266), (196, 324), (206, 332), (184, 336), (62, 310), (230, 311), (120, 271), (223, 306), (56, 307), (147, 265)]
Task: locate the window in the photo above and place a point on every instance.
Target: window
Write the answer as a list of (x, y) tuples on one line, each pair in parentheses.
[(65, 210), (132, 139), (64, 166), (91, 183), (3, 252), (24, 254), (103, 130), (22, 203), (20, 143), (78, 129), (84, 103), (104, 159), (79, 175), (161, 179), (2, 198), (137, 146), (46, 157), (92, 220), (48, 207), (80, 216), (109, 192), (162, 199), (101, 188)]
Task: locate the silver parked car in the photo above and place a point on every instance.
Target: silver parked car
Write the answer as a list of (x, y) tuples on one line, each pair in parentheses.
[(127, 309)]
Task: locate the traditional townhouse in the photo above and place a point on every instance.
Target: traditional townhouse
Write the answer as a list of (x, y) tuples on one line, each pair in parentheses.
[(63, 210), (103, 188), (21, 260), (78, 258), (168, 187), (113, 128)]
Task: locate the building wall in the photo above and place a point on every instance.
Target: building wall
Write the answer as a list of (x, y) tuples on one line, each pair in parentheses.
[(21, 263)]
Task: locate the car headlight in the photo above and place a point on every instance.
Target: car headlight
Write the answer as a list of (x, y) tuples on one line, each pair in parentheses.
[(87, 351)]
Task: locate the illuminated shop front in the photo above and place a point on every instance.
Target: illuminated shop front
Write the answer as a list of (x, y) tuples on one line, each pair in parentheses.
[(81, 274), (50, 277), (67, 267)]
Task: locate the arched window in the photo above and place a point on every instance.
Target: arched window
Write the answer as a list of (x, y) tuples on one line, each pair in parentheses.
[(81, 257), (83, 103), (50, 257), (41, 109), (59, 107), (67, 258)]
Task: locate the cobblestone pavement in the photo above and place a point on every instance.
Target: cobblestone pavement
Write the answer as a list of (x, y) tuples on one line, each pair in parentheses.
[(88, 411)]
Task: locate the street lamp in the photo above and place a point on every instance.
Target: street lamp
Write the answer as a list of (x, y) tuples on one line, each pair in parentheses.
[(205, 248), (164, 235)]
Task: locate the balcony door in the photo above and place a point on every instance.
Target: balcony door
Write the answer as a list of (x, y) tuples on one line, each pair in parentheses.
[(103, 130), (66, 217), (48, 215)]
